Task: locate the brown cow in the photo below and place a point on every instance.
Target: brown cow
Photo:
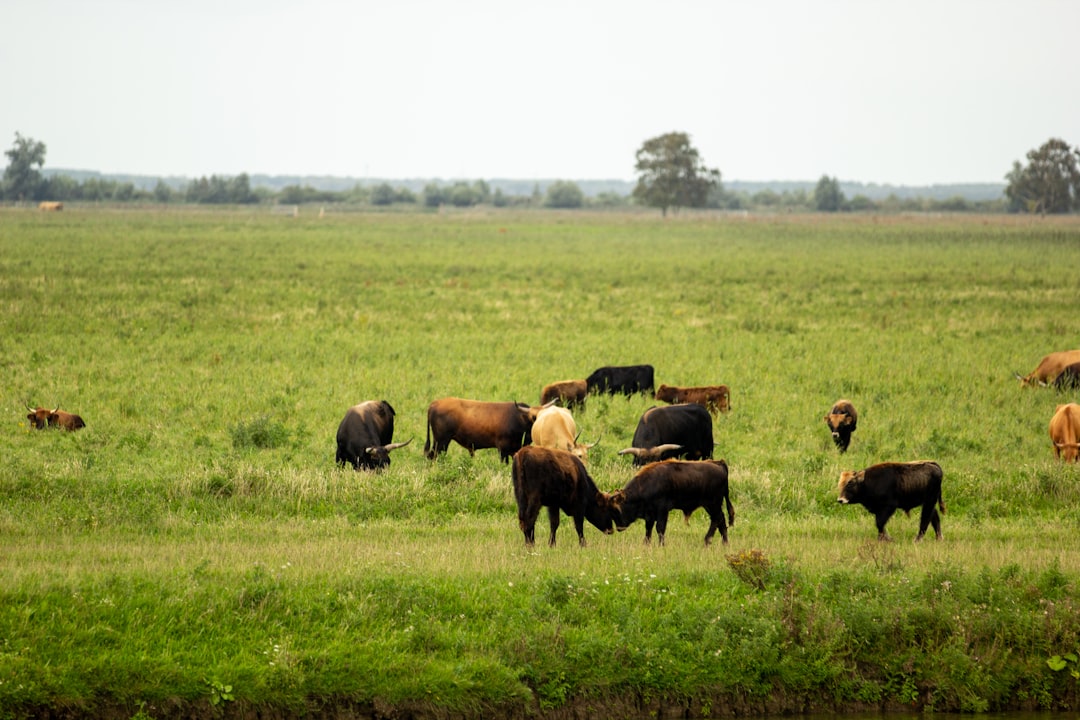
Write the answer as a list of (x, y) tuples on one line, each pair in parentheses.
[(50, 205), (842, 420), (658, 488), (1065, 432), (568, 393), (715, 398), (475, 425), (559, 481), (555, 428), (887, 487), (40, 418), (1049, 368)]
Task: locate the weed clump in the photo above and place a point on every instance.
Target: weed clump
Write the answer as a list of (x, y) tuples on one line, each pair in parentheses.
[(261, 433)]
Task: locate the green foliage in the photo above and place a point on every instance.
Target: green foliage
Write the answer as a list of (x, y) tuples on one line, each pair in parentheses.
[(259, 433), (564, 194), (22, 176), (671, 174), (1049, 183), (827, 195)]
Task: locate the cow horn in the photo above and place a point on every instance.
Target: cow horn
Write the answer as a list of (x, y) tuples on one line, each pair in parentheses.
[(395, 446), (636, 452), (30, 408), (56, 408), (661, 449), (591, 445), (549, 403)]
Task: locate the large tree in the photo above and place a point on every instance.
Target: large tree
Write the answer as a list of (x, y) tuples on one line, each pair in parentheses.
[(22, 180), (1049, 183), (671, 174), (827, 195)]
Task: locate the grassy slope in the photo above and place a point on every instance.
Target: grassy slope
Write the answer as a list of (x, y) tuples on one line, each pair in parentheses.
[(187, 559)]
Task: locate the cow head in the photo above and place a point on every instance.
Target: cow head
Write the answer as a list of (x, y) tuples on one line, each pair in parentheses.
[(850, 486), (1029, 380), (603, 513), (40, 417), (838, 422), (378, 456)]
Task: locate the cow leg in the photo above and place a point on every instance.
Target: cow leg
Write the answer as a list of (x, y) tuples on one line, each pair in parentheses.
[(649, 522), (716, 522), (929, 517), (579, 525), (527, 521), (881, 518), (661, 526), (553, 520)]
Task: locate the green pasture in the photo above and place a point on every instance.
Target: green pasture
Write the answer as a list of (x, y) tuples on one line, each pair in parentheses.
[(195, 550)]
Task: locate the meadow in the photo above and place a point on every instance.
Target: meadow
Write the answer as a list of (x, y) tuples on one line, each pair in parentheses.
[(194, 551)]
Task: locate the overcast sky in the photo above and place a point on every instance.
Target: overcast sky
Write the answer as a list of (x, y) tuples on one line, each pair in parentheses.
[(909, 92)]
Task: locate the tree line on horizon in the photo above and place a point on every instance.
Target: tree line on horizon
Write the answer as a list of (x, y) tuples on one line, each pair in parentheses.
[(671, 176)]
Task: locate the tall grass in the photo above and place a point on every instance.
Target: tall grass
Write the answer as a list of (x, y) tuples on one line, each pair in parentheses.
[(197, 534)]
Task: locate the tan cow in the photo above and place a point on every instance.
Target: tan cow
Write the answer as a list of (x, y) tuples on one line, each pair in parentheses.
[(555, 428), (715, 398), (1065, 432), (50, 205), (1049, 368)]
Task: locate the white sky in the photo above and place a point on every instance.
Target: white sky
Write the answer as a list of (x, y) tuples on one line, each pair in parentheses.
[(909, 92)]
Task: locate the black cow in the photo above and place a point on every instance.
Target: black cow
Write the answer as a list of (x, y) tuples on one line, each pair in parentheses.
[(475, 424), (842, 420), (672, 431), (1069, 378), (364, 437), (661, 487), (625, 379), (558, 480), (886, 487)]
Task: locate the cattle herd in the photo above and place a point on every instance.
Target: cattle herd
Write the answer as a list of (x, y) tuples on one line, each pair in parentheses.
[(548, 467)]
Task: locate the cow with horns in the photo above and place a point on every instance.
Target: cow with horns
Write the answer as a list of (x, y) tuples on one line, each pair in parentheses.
[(40, 418), (672, 431), (365, 436), (475, 424)]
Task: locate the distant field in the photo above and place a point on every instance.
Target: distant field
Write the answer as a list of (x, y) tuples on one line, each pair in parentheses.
[(199, 522)]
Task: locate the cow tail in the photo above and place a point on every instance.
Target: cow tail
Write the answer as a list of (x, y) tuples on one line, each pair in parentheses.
[(427, 440), (941, 502), (730, 510)]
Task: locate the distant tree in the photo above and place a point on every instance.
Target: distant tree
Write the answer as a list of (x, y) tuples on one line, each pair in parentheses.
[(671, 174), (434, 195), (461, 194), (498, 199), (1050, 183), (124, 192), (827, 195), (22, 177), (564, 194), (239, 190), (382, 194), (162, 192), (61, 187), (861, 203)]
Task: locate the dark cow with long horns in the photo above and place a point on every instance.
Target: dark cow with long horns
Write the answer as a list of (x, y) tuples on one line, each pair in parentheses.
[(887, 487), (621, 379), (658, 488), (40, 418), (365, 436), (475, 425), (672, 431), (552, 478), (842, 420)]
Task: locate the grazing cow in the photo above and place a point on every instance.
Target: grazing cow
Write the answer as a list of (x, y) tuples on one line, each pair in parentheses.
[(661, 487), (555, 428), (1065, 432), (715, 398), (364, 437), (625, 379), (886, 487), (672, 431), (557, 480), (475, 425), (568, 393), (841, 421), (40, 418), (1068, 378), (1049, 368), (50, 205)]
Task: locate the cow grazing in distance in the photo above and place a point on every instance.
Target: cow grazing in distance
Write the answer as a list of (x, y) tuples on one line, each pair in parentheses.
[(568, 393), (672, 431), (624, 379), (476, 425), (658, 488), (365, 436), (842, 420), (887, 487), (1065, 432), (1049, 368), (51, 206), (1068, 378), (552, 478), (715, 398), (40, 418), (555, 428)]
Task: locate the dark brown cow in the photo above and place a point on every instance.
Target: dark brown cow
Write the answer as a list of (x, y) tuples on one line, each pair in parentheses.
[(715, 398), (672, 431), (1049, 368), (568, 393), (365, 435), (621, 379), (41, 418), (475, 425), (555, 428), (1065, 432), (842, 420), (555, 479), (658, 488), (887, 487), (1068, 378)]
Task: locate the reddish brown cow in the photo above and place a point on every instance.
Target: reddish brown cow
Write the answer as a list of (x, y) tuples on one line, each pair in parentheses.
[(41, 418), (1065, 432), (568, 393), (546, 477), (475, 425), (715, 398), (555, 428), (1049, 368), (658, 488)]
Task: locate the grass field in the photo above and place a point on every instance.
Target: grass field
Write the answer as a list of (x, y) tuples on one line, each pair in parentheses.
[(195, 549)]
